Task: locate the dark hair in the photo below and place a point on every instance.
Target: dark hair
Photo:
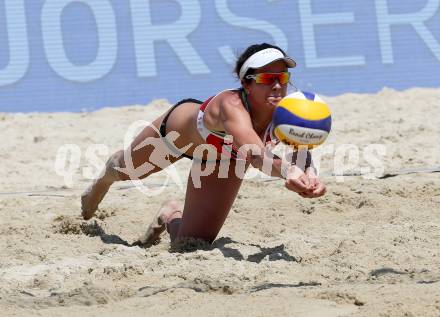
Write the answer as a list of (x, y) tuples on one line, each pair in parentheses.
[(251, 50)]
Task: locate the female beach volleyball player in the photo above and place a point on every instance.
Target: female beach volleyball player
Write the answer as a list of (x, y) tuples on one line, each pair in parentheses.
[(226, 122)]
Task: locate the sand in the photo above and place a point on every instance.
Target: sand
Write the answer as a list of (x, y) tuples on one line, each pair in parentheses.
[(370, 247)]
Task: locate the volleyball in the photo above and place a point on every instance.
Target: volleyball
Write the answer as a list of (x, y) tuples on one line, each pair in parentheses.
[(302, 119)]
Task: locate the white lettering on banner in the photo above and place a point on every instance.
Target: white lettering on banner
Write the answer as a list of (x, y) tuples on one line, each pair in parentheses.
[(308, 21), (277, 34), (18, 43), (416, 19), (15, 42), (53, 40), (176, 35)]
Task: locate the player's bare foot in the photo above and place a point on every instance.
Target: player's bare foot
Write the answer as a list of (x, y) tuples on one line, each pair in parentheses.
[(92, 196), (95, 193), (158, 225)]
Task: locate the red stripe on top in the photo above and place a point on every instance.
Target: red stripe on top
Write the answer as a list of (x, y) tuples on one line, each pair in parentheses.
[(219, 142), (215, 141), (203, 106)]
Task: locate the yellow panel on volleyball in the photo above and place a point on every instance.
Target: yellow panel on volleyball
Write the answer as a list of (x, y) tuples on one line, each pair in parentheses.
[(306, 109)]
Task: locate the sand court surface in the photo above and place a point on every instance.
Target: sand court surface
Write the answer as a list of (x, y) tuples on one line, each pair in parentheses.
[(369, 247)]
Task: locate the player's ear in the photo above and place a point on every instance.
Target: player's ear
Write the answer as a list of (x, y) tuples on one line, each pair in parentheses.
[(246, 86)]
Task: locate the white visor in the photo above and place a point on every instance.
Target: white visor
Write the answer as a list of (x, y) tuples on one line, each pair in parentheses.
[(264, 57)]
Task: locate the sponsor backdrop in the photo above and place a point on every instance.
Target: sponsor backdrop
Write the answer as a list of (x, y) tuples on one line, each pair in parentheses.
[(73, 55)]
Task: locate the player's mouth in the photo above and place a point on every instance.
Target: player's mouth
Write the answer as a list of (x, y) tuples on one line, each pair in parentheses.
[(274, 100)]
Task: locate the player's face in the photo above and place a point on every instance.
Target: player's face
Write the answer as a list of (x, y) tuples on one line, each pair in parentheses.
[(271, 89)]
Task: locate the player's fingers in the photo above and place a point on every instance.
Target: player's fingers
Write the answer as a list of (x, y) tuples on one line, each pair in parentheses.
[(295, 185), (305, 180), (320, 190), (313, 182), (306, 195)]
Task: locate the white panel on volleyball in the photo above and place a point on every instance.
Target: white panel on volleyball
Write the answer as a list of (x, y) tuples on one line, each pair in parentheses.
[(300, 135)]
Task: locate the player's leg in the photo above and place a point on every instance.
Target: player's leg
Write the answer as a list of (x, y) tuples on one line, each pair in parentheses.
[(135, 160), (205, 209)]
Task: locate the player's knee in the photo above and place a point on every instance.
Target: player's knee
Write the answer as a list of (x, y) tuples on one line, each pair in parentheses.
[(114, 163)]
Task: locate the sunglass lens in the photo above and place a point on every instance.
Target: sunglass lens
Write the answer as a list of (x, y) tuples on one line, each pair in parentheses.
[(263, 78), (269, 79), (284, 78)]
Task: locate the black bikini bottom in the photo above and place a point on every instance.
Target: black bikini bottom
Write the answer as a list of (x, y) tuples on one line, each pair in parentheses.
[(163, 125), (163, 129)]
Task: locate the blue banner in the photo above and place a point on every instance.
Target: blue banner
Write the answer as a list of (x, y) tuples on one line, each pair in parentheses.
[(73, 55)]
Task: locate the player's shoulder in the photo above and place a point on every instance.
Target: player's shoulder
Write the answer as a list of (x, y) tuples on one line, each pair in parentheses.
[(230, 99)]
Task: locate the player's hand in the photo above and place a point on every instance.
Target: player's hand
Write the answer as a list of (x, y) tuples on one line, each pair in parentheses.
[(297, 181), (317, 188)]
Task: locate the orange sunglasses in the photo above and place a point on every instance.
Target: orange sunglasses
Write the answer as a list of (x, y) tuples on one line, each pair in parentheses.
[(269, 78)]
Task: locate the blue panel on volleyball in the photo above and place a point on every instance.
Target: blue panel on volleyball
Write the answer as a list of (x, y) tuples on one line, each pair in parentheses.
[(308, 95)]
